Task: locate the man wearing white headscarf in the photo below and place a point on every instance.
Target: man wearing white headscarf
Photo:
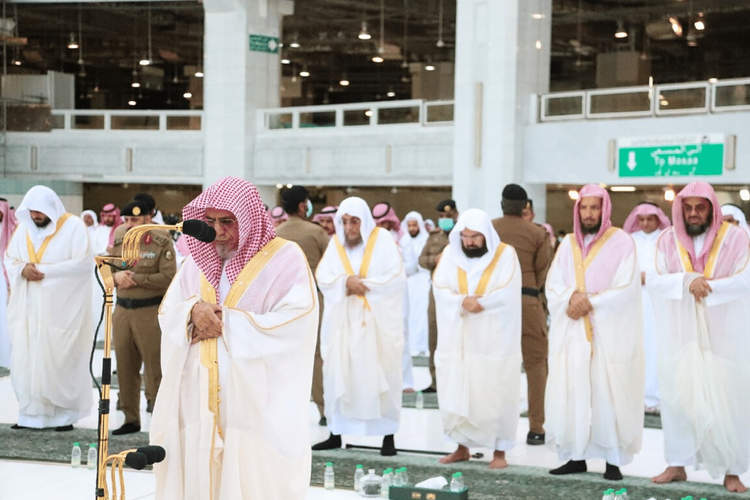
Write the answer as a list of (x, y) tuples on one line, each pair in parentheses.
[(734, 215), (51, 272), (362, 279), (92, 222), (7, 225), (477, 287), (418, 284)]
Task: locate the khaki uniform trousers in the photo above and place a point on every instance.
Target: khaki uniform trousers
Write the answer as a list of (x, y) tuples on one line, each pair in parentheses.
[(137, 339), (534, 347), (317, 381)]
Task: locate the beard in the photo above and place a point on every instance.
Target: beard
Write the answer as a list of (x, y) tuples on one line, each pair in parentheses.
[(42, 223), (475, 252), (414, 234), (353, 242), (591, 229), (224, 252), (696, 229)]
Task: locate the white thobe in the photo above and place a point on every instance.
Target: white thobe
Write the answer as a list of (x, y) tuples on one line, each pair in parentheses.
[(51, 327), (410, 268), (703, 361), (4, 339), (265, 356), (478, 356), (362, 339), (594, 396), (100, 239), (645, 244), (418, 288)]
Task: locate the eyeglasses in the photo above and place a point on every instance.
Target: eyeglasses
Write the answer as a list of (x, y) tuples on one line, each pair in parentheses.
[(224, 223)]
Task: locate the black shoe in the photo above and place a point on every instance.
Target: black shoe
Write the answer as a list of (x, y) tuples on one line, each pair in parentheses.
[(534, 439), (16, 427), (323, 422), (389, 447), (149, 406), (333, 442), (572, 467), (127, 429), (613, 473), (429, 390), (64, 428)]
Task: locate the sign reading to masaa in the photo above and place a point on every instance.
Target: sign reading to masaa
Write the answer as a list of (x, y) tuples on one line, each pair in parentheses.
[(671, 156), (261, 43)]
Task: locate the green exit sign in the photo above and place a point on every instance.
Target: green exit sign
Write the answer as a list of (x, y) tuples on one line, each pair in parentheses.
[(673, 156), (262, 43)]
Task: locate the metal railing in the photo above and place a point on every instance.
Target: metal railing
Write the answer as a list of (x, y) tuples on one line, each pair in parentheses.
[(414, 112), (138, 120), (647, 101)]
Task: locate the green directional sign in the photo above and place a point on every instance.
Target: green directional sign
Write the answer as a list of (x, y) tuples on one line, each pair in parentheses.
[(261, 43), (703, 156)]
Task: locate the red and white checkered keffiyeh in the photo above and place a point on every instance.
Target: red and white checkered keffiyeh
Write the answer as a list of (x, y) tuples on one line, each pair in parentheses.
[(700, 189), (383, 212), (243, 200), (9, 224), (597, 192)]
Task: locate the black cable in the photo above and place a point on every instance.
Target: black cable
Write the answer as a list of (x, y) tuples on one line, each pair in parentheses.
[(96, 333)]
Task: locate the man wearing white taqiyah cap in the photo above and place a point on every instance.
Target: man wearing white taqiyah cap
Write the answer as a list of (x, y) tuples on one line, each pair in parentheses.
[(477, 287), (50, 265), (362, 279)]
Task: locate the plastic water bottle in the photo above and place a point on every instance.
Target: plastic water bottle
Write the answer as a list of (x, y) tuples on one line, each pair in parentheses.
[(328, 477), (359, 473), (91, 459), (624, 494), (420, 401), (457, 483), (386, 484), (404, 477), (75, 455), (398, 479), (608, 494)]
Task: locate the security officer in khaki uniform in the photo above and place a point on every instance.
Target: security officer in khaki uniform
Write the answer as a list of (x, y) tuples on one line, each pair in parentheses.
[(313, 240), (136, 332), (433, 249), (531, 243)]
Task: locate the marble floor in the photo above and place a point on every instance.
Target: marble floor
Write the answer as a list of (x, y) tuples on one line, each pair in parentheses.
[(420, 430)]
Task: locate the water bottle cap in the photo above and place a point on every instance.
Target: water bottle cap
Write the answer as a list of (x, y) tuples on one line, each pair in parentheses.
[(359, 466), (389, 470), (419, 392), (329, 464), (457, 474), (92, 445), (403, 469), (76, 444)]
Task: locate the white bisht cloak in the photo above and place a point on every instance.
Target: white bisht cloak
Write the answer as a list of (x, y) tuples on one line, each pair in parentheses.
[(50, 321), (362, 340), (259, 447), (417, 287), (703, 355), (478, 356), (594, 397), (645, 245)]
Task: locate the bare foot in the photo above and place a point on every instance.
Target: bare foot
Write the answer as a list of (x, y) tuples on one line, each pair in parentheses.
[(408, 390), (498, 460), (670, 474), (460, 455), (733, 483)]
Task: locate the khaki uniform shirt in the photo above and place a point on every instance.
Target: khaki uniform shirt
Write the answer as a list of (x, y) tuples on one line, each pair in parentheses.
[(155, 267), (532, 246), (312, 239), (434, 246)]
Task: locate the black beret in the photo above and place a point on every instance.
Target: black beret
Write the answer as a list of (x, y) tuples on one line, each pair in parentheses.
[(136, 208), (446, 206), (146, 198), (515, 192), (295, 194)]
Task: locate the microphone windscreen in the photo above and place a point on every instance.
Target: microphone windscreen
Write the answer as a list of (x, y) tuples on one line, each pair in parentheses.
[(136, 460), (154, 454), (199, 230)]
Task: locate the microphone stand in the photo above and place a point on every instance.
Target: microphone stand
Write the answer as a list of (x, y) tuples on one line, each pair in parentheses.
[(106, 265)]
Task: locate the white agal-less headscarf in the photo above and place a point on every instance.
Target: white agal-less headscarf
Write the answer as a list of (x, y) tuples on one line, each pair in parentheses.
[(738, 215), (473, 220), (93, 226), (421, 238), (355, 207), (40, 199)]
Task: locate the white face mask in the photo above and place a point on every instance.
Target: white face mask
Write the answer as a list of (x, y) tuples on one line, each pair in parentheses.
[(309, 209)]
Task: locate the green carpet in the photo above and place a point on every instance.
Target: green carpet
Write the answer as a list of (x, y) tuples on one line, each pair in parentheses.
[(421, 361), (4, 372), (513, 483)]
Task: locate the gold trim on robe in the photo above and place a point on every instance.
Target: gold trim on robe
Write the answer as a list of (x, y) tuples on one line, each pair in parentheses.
[(365, 266), (708, 271), (463, 284), (36, 257)]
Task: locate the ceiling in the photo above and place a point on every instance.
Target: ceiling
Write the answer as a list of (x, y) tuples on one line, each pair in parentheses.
[(115, 38)]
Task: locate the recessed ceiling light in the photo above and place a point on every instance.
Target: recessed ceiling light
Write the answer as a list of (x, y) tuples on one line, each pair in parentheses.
[(377, 59), (187, 95), (429, 67)]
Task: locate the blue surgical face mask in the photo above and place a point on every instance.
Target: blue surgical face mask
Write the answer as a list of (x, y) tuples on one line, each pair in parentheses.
[(309, 209), (446, 224)]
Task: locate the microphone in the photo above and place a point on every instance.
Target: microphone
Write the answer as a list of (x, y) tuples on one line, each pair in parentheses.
[(154, 454), (136, 460), (199, 230)]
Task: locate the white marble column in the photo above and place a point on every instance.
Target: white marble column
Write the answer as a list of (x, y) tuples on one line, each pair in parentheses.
[(237, 81), (502, 60)]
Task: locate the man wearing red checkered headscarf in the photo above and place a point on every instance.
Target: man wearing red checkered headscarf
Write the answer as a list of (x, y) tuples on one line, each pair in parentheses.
[(239, 325), (702, 309), (594, 394)]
